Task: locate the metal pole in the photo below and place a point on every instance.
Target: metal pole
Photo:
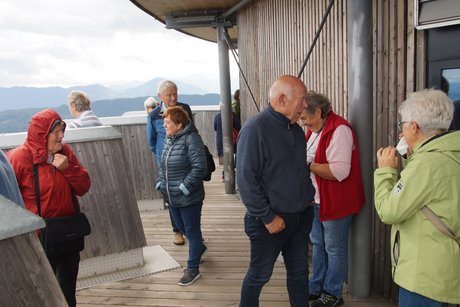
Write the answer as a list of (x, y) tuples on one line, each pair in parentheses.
[(235, 8), (226, 111), (360, 106)]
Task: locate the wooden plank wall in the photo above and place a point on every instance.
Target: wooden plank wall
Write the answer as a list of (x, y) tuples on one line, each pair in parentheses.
[(142, 163), (110, 204), (204, 122), (399, 69), (26, 277), (274, 38)]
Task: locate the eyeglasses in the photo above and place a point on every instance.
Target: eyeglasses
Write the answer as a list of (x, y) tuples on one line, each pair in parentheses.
[(56, 123), (400, 124)]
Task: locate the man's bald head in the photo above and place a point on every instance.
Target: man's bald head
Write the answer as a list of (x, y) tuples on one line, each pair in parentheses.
[(288, 97)]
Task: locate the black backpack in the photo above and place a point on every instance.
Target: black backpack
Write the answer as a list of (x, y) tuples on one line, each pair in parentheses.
[(210, 163)]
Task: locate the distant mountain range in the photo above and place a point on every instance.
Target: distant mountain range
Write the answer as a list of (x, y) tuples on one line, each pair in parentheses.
[(18, 104), (17, 120), (19, 97)]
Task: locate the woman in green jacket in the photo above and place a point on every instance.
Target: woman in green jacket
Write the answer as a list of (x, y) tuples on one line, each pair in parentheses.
[(426, 263)]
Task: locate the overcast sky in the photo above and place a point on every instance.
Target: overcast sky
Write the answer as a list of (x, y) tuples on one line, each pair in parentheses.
[(109, 42)]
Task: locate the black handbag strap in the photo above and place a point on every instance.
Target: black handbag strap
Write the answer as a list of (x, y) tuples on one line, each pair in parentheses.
[(37, 189), (37, 193)]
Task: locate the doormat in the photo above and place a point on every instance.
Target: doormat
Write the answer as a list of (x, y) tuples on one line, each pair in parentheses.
[(156, 260)]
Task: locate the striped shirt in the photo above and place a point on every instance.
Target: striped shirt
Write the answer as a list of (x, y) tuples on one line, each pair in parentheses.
[(86, 119)]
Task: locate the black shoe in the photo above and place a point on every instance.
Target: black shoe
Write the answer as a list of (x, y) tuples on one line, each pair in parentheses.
[(190, 275), (204, 251), (327, 300), (314, 297)]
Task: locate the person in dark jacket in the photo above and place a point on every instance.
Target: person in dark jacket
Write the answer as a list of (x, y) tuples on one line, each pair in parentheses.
[(275, 187), (236, 126), (182, 169), (60, 176), (8, 184), (156, 135)]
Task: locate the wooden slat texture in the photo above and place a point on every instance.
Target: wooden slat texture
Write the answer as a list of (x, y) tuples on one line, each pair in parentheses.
[(110, 205), (142, 165), (399, 70), (274, 38), (222, 271), (141, 162), (26, 277)]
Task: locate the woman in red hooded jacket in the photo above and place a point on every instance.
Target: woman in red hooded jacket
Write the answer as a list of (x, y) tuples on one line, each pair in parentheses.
[(60, 177)]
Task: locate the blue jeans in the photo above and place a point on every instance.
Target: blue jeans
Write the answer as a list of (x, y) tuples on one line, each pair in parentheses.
[(173, 224), (292, 242), (330, 254), (188, 220), (411, 299)]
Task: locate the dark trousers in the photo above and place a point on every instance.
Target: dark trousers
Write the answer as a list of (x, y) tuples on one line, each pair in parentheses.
[(292, 242), (66, 270), (173, 224), (188, 220)]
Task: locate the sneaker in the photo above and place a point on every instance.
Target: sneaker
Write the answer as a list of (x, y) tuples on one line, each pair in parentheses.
[(204, 251), (190, 275), (178, 238), (313, 297), (327, 300)]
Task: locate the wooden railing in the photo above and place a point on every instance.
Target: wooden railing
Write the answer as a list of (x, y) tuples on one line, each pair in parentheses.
[(25, 274), (122, 171), (110, 204)]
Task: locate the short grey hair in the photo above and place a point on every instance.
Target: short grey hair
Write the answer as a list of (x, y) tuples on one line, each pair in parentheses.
[(80, 100), (318, 101), (166, 84), (431, 109), (150, 102)]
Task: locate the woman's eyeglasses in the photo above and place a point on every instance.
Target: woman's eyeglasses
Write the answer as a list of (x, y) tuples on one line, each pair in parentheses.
[(400, 124)]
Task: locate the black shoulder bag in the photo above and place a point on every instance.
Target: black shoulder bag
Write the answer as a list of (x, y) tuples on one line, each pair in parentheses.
[(210, 165), (62, 235)]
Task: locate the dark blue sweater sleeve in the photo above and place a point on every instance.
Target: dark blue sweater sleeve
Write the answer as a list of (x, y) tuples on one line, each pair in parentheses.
[(151, 135), (249, 171)]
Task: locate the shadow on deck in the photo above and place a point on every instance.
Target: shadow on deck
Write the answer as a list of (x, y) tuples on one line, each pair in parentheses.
[(222, 271)]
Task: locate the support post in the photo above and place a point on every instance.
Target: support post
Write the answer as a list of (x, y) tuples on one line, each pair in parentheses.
[(360, 106), (226, 111)]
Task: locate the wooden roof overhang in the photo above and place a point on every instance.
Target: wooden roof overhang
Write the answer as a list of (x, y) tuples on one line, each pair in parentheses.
[(198, 18)]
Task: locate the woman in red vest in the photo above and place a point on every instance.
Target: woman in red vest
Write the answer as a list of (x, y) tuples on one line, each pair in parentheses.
[(333, 158)]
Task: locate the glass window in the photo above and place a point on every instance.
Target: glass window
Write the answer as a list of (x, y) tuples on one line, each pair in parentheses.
[(450, 82)]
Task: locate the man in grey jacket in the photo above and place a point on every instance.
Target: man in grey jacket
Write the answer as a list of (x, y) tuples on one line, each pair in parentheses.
[(275, 186)]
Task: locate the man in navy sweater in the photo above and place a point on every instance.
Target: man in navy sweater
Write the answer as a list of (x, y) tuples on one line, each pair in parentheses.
[(275, 186)]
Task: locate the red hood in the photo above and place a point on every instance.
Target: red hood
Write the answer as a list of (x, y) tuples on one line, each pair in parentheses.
[(37, 134)]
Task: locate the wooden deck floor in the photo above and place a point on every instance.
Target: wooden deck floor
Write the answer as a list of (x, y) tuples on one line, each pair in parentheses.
[(222, 271)]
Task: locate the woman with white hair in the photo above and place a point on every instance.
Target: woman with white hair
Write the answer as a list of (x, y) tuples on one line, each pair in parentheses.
[(149, 104), (80, 109), (425, 261)]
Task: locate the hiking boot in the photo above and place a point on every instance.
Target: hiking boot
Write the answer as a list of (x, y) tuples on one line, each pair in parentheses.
[(190, 275), (327, 300), (204, 251), (178, 238)]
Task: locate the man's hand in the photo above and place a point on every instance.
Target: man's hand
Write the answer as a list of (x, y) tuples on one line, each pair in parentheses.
[(386, 157), (276, 225), (60, 162)]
